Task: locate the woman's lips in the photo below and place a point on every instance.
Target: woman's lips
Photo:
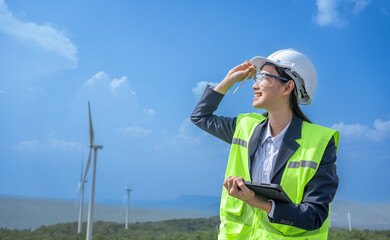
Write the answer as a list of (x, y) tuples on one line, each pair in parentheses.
[(257, 94)]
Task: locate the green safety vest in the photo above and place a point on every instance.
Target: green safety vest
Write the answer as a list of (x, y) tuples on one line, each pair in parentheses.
[(241, 221)]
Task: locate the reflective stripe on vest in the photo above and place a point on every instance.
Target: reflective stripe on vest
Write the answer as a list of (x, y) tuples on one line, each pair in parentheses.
[(241, 221)]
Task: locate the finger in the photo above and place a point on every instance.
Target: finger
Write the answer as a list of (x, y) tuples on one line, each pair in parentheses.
[(238, 67), (250, 65), (225, 183), (235, 186), (240, 183), (233, 190), (229, 183), (253, 72), (249, 71), (243, 66)]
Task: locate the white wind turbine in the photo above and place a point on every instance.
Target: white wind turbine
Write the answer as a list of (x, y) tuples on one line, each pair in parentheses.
[(92, 200), (127, 195), (349, 222), (330, 218), (81, 194)]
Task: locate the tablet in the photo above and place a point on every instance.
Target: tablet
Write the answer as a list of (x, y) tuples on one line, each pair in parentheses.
[(269, 190)]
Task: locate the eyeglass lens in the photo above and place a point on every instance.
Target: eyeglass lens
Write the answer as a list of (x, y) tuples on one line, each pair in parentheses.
[(261, 80)]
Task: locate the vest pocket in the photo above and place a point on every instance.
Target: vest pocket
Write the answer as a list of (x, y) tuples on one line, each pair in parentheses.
[(232, 230), (231, 204)]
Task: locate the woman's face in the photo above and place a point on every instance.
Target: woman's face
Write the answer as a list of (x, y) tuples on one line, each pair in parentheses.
[(269, 94)]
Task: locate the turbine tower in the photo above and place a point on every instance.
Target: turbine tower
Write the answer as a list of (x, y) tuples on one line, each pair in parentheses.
[(349, 222), (128, 190), (92, 200), (81, 194), (330, 218)]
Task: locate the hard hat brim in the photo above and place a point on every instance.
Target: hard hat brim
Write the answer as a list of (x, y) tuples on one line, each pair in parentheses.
[(259, 62)]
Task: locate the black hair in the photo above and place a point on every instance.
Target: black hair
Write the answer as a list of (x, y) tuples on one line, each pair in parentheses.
[(293, 99)]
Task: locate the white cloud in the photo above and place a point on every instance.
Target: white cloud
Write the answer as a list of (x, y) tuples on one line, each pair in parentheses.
[(61, 144), (50, 143), (359, 5), (186, 134), (184, 138), (383, 127), (329, 11), (116, 83), (380, 131), (135, 131), (149, 112), (101, 79), (200, 86), (45, 36), (28, 145), (186, 126)]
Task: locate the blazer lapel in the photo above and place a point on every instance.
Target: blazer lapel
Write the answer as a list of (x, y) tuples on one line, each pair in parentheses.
[(288, 147), (254, 143)]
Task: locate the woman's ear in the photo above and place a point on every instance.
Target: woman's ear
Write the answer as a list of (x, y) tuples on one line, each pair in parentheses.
[(288, 87)]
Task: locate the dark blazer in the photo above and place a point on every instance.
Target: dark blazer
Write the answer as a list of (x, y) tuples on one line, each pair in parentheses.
[(311, 213)]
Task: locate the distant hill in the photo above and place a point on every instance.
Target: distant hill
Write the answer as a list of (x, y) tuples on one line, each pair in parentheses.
[(31, 213), (363, 216), (25, 213)]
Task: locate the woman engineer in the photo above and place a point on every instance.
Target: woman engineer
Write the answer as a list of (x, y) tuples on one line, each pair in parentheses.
[(280, 146)]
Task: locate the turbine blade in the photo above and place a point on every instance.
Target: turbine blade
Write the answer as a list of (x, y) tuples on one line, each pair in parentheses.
[(79, 196), (82, 162), (88, 163), (91, 135), (79, 187), (123, 204)]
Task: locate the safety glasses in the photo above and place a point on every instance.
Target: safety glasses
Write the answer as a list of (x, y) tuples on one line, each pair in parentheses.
[(260, 77)]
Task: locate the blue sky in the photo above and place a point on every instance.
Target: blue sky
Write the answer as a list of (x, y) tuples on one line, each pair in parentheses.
[(143, 66)]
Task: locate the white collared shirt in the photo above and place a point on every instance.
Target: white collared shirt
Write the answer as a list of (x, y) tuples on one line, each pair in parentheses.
[(265, 156)]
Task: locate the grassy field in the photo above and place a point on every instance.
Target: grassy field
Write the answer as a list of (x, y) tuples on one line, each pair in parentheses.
[(177, 229)]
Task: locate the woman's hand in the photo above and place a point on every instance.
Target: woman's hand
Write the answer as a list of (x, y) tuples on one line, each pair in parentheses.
[(236, 74), (236, 188)]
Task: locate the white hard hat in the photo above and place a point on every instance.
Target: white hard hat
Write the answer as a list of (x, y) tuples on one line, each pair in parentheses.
[(298, 67)]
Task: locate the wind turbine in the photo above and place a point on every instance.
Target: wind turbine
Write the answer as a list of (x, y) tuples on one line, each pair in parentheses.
[(81, 194), (128, 190), (349, 222), (330, 218), (92, 200)]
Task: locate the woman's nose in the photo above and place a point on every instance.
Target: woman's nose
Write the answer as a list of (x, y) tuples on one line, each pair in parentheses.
[(255, 86)]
